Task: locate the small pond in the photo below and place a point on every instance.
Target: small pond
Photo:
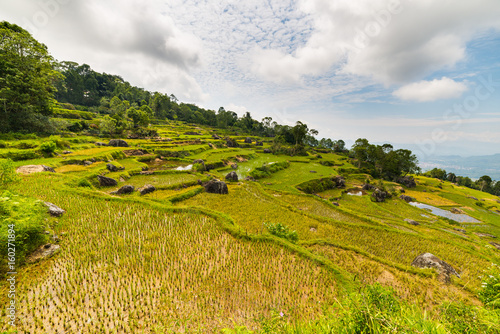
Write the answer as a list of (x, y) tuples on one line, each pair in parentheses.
[(461, 218), (188, 167), (359, 193)]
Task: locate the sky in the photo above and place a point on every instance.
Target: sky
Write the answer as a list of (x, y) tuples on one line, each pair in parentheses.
[(420, 74)]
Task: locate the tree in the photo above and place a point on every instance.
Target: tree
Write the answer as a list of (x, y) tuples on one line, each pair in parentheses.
[(359, 150), (26, 81), (300, 131), (138, 116)]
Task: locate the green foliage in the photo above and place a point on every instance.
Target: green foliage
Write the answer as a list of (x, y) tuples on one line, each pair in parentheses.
[(267, 169), (317, 185), (490, 289), (7, 172), (48, 147), (26, 77), (461, 318), (282, 231), (26, 215)]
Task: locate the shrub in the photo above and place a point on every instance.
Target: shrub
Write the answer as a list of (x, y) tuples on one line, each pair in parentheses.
[(282, 231), (48, 147), (268, 169)]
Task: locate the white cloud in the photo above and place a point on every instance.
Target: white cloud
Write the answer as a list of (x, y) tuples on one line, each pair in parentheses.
[(425, 91), (374, 38)]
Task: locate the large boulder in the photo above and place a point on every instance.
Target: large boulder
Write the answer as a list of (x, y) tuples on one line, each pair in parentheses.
[(259, 143), (407, 181), (118, 143), (379, 195), (266, 150), (428, 260), (232, 177), (112, 168), (216, 136), (43, 252), (231, 142), (248, 140), (106, 181), (407, 199), (412, 222), (127, 189), (29, 169), (146, 189), (216, 187), (54, 210), (339, 181), (368, 187)]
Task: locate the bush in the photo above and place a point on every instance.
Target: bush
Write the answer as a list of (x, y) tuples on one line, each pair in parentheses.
[(27, 216), (48, 147), (267, 169), (282, 231)]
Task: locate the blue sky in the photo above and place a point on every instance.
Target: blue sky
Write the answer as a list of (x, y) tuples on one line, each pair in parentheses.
[(419, 74)]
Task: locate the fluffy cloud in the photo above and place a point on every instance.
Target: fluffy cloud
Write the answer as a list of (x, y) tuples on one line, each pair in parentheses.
[(425, 91), (391, 41)]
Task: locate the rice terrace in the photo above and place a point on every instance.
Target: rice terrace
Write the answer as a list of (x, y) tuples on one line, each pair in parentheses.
[(124, 210)]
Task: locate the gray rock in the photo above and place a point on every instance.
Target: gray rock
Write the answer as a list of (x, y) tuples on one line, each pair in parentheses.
[(472, 197), (146, 189), (368, 187), (234, 166), (87, 163), (233, 177), (202, 163), (248, 140), (496, 245), (118, 143), (106, 181), (312, 171), (215, 136), (249, 178), (460, 230), (428, 260), (216, 187), (412, 222), (407, 181), (339, 181), (29, 169), (407, 199), (231, 142), (127, 189), (379, 195), (54, 210), (67, 152), (266, 150), (336, 203), (112, 168), (43, 252), (259, 143)]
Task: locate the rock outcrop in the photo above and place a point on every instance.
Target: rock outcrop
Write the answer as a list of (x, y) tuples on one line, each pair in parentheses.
[(146, 189), (231, 142), (412, 222), (127, 189), (216, 187), (266, 150), (43, 252), (407, 199), (106, 181), (233, 177), (407, 181), (248, 140), (379, 195), (29, 169), (428, 260), (118, 143), (54, 210)]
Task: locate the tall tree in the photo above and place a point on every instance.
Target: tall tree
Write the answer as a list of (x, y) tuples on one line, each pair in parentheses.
[(26, 81)]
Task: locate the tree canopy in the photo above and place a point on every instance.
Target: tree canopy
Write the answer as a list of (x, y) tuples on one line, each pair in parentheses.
[(26, 81)]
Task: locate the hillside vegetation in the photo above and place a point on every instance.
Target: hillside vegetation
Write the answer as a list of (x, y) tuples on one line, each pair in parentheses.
[(303, 236)]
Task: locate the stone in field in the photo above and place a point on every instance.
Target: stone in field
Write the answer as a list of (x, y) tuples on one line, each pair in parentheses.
[(428, 260), (106, 181), (29, 169)]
